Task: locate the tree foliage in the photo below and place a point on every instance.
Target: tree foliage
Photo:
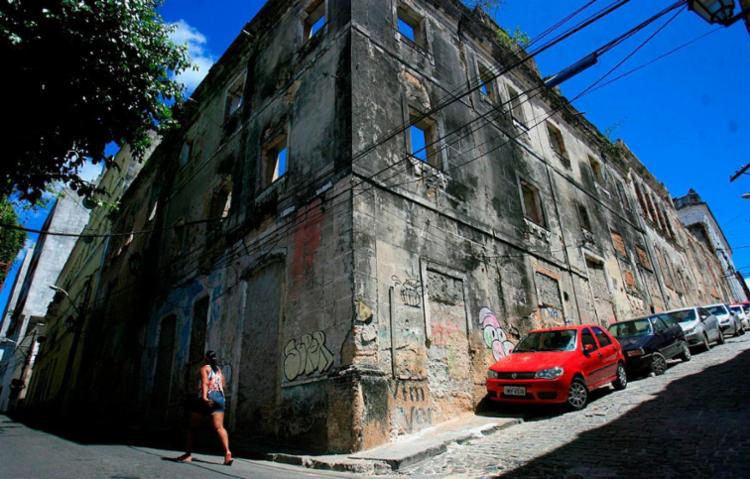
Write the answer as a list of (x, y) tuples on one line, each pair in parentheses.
[(11, 241), (80, 74)]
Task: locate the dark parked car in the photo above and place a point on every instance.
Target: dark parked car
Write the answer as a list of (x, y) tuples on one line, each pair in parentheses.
[(648, 342)]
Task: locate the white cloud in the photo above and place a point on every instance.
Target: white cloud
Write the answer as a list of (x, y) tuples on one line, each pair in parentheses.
[(200, 57)]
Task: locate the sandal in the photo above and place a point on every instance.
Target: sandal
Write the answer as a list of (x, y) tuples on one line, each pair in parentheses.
[(185, 459), (228, 459)]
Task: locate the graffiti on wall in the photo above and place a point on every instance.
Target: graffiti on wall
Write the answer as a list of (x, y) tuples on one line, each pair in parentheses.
[(306, 356), (494, 335), (410, 290), (413, 412)]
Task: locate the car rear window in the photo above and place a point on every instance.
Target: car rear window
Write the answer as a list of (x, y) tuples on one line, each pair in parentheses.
[(627, 329), (721, 310), (683, 316)]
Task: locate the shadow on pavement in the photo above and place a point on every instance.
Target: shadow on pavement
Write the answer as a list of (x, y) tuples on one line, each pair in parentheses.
[(696, 427)]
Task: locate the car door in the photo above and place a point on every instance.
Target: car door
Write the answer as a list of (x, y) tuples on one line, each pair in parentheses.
[(592, 360), (661, 341), (608, 349), (674, 335)]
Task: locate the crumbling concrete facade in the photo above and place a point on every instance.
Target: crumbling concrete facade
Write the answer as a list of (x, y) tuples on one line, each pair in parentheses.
[(356, 286)]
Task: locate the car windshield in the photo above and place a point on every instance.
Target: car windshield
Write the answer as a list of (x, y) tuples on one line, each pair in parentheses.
[(628, 329), (746, 307), (562, 340), (717, 310), (736, 309), (684, 316)]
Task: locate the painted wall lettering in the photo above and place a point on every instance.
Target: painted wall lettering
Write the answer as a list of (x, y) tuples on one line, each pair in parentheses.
[(307, 356), (494, 336)]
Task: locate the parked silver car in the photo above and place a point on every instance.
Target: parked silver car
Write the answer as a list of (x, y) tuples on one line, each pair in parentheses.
[(728, 322), (742, 311), (701, 328)]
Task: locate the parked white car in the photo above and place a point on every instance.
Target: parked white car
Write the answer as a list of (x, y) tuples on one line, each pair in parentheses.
[(728, 322), (701, 328), (742, 311)]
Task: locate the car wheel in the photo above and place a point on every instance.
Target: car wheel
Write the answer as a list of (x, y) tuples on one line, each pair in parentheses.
[(721, 339), (578, 394), (622, 378), (706, 344), (658, 364), (685, 356)]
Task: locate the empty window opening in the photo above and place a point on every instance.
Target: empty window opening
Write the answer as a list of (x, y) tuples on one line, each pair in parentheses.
[(422, 140), (516, 106), (583, 216), (275, 157), (409, 25), (532, 204), (556, 140), (221, 202), (186, 152), (316, 18), (596, 168), (487, 88), (234, 97)]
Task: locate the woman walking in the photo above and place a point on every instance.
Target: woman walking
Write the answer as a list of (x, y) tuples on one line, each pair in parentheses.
[(210, 401)]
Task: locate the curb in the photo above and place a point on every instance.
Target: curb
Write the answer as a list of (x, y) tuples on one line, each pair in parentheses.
[(361, 464)]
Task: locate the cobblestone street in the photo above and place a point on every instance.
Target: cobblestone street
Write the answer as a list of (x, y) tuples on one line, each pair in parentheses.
[(691, 422)]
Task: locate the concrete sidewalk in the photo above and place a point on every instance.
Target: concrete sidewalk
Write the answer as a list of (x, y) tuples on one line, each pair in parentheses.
[(405, 451)]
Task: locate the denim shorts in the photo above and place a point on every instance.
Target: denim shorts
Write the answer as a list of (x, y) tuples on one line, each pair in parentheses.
[(218, 402)]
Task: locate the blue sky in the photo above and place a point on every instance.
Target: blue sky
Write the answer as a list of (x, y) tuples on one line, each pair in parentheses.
[(687, 117)]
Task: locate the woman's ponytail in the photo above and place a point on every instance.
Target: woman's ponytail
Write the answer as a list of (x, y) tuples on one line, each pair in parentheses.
[(212, 360)]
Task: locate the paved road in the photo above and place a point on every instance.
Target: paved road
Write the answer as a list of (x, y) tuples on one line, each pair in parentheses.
[(29, 453), (694, 421)]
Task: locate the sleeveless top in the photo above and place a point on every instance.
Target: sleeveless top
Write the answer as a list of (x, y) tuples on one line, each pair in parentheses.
[(215, 380)]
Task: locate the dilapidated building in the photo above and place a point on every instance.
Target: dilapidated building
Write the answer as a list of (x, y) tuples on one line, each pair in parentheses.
[(361, 214)]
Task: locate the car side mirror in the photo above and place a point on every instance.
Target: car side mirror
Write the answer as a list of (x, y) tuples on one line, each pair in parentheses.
[(588, 348)]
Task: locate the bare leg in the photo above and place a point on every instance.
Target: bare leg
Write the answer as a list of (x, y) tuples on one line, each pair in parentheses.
[(218, 420), (195, 421)]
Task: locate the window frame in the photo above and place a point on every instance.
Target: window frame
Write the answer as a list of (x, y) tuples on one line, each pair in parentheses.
[(557, 141), (188, 143), (522, 182), (515, 107), (492, 94), (310, 20), (277, 144), (599, 336), (406, 14), (431, 131), (583, 213), (597, 170), (230, 91)]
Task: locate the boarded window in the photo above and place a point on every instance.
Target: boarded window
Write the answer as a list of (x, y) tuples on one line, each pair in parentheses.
[(596, 169), (623, 196), (583, 217), (641, 200), (550, 303), (643, 258), (629, 278), (619, 244), (316, 18), (532, 205), (556, 140)]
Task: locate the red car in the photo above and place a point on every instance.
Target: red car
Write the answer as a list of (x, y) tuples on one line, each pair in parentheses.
[(557, 366)]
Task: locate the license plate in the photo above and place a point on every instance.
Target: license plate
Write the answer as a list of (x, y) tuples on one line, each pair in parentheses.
[(514, 391)]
